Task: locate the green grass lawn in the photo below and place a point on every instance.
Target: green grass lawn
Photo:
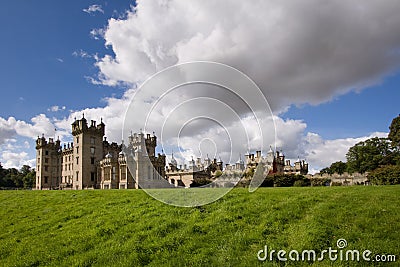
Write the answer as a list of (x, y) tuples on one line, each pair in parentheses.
[(129, 228)]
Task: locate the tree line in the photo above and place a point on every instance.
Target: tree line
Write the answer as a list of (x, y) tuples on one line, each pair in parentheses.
[(380, 157), (13, 178)]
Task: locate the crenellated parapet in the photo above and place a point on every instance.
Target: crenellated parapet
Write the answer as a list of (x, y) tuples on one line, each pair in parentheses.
[(41, 143), (81, 126)]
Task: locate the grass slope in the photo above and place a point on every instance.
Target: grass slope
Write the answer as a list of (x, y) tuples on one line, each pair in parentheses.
[(129, 228)]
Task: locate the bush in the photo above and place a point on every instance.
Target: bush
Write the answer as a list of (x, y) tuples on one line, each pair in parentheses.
[(200, 182), (387, 175), (302, 183), (320, 182), (285, 180)]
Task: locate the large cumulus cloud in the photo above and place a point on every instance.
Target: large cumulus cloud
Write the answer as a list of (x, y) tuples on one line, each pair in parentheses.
[(296, 51)]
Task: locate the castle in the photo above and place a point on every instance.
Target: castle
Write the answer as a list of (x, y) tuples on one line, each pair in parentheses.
[(91, 162)]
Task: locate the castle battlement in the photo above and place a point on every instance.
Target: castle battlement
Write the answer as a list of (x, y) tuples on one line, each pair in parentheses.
[(41, 142), (90, 161), (81, 126)]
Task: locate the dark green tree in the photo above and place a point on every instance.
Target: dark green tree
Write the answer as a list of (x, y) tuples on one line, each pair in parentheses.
[(28, 176), (369, 155), (338, 167), (394, 133), (326, 170), (387, 175), (16, 177), (2, 175)]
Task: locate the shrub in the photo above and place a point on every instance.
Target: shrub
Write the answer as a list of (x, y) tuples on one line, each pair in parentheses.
[(387, 175)]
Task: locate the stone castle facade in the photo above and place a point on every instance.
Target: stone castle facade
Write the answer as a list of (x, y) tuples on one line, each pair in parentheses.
[(196, 170), (277, 162), (91, 162)]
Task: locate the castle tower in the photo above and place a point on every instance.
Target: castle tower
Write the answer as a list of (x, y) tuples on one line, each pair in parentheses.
[(239, 164), (270, 155), (87, 150), (147, 169), (48, 162)]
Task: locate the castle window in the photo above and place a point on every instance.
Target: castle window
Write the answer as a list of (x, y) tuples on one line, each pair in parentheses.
[(38, 160), (92, 150), (77, 176), (69, 158), (46, 160), (92, 140), (77, 160), (149, 172), (46, 153), (45, 179), (113, 173), (77, 150), (123, 174), (92, 160), (77, 139), (92, 176), (46, 168)]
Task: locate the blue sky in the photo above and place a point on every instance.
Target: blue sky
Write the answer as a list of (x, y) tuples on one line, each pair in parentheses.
[(38, 68), (49, 56), (354, 114)]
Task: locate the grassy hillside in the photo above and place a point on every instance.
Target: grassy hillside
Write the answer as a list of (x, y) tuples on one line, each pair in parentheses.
[(129, 228)]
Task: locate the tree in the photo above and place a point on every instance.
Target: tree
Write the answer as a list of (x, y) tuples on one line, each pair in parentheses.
[(28, 176), (16, 177), (369, 155), (338, 167), (2, 175), (386, 175), (326, 170), (394, 133), (13, 178)]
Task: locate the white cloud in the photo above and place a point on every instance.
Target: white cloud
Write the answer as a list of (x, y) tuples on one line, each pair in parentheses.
[(60, 60), (16, 160), (93, 8), (39, 125), (56, 108), (81, 53), (296, 51), (97, 33), (322, 153)]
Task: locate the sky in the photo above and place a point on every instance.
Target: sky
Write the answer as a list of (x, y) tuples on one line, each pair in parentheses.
[(329, 70)]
